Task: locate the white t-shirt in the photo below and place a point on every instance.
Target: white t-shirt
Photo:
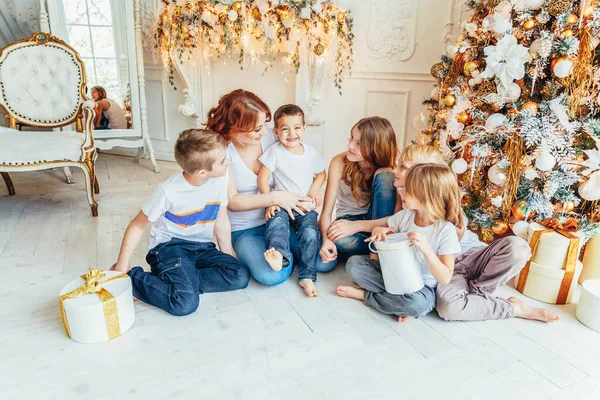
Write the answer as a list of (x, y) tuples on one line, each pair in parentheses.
[(293, 172), (246, 182), (470, 240), (442, 238), (178, 209)]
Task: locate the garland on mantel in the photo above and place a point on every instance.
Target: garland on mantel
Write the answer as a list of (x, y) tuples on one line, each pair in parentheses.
[(256, 31)]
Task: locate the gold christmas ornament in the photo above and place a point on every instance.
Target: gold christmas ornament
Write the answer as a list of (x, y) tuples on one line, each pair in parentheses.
[(571, 19), (499, 227), (463, 117), (341, 17), (449, 100), (437, 69), (319, 49), (568, 33), (529, 24), (469, 67), (557, 7), (569, 206), (486, 87), (518, 210), (530, 106), (236, 6)]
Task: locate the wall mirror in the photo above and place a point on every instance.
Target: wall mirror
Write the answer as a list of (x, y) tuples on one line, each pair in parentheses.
[(107, 35)]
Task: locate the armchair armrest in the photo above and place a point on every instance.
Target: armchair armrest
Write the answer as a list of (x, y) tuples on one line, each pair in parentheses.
[(88, 123)]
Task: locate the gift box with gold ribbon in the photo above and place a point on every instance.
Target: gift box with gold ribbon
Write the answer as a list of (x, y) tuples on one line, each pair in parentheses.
[(551, 274), (97, 307)]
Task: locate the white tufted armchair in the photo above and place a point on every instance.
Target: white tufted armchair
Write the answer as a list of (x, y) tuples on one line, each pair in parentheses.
[(42, 84)]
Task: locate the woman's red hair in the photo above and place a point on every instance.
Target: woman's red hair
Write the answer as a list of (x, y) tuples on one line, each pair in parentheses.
[(236, 112)]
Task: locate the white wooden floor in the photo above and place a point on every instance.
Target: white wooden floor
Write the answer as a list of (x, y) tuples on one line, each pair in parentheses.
[(258, 343)]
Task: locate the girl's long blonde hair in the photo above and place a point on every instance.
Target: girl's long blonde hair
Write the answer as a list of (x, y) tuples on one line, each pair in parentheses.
[(379, 149), (421, 153), (436, 187)]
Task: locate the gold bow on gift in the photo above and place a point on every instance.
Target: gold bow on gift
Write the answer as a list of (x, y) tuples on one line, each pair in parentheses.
[(91, 286), (570, 225), (565, 229)]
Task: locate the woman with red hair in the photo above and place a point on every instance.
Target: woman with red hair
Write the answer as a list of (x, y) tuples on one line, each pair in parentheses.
[(241, 117)]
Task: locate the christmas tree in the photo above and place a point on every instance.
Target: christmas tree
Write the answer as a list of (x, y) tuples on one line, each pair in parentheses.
[(516, 108)]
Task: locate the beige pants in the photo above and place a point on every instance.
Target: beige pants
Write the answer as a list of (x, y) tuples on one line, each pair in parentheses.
[(477, 274)]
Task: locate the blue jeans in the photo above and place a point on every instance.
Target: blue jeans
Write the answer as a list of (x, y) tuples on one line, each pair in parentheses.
[(249, 245), (277, 235), (181, 271), (383, 202), (367, 274)]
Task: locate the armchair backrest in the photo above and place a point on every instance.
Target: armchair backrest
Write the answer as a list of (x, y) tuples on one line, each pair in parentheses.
[(42, 82)]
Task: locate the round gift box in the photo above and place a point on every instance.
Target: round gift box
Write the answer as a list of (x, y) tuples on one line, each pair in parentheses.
[(588, 309), (552, 248), (85, 314), (543, 283)]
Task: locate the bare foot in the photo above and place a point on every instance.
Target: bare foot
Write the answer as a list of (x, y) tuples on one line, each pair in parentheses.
[(523, 310), (309, 287), (274, 258), (351, 292), (403, 319)]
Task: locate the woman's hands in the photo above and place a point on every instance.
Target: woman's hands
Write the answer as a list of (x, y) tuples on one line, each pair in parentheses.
[(342, 228), (328, 251), (292, 202)]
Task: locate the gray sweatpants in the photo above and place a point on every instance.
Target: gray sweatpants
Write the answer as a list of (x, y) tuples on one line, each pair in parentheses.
[(477, 274), (367, 274)]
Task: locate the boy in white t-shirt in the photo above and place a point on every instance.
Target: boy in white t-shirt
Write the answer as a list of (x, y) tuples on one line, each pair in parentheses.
[(184, 212), (296, 167)]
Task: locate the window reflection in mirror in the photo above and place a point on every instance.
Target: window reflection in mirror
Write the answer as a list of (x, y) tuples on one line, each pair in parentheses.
[(96, 29)]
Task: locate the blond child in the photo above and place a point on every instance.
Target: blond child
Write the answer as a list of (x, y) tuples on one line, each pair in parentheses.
[(184, 212), (432, 219), (298, 168), (480, 269)]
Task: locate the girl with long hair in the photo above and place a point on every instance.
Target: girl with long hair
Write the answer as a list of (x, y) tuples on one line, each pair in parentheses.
[(480, 269), (432, 219), (360, 187)]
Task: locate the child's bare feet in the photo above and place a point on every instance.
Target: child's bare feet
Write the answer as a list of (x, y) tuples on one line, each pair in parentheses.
[(309, 287), (351, 292), (523, 310), (274, 258), (403, 319)]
